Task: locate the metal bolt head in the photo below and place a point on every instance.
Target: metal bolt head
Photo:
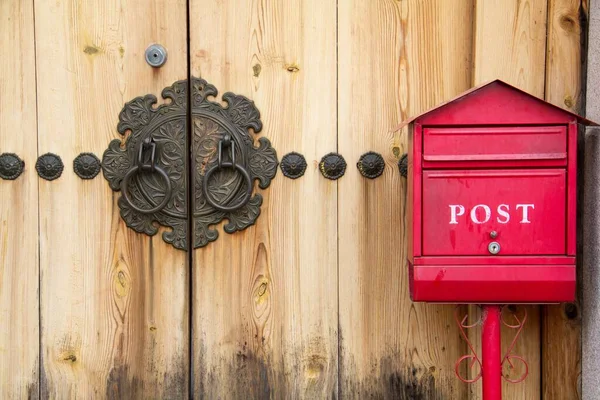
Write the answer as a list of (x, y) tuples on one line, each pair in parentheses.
[(49, 166), (371, 165), (11, 166), (332, 166), (494, 248), (156, 55), (86, 165), (493, 234), (293, 165)]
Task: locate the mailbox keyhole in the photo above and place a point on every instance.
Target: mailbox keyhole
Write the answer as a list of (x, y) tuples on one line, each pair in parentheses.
[(494, 248)]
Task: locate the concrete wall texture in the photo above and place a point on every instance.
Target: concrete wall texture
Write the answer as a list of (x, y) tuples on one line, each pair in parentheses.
[(591, 218)]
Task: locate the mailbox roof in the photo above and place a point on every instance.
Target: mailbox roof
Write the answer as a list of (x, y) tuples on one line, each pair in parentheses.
[(496, 103)]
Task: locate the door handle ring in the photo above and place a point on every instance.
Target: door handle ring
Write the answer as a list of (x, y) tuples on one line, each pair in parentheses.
[(156, 136), (132, 171), (241, 170)]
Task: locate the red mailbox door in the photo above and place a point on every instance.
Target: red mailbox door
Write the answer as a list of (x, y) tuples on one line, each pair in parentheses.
[(494, 212)]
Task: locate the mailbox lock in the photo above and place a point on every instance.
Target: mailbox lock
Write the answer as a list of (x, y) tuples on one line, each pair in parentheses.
[(493, 234), (494, 248)]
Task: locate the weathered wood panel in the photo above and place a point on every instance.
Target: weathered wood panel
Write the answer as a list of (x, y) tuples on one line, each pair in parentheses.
[(565, 57), (19, 274), (561, 324), (510, 44), (396, 59), (265, 299), (114, 308), (114, 304)]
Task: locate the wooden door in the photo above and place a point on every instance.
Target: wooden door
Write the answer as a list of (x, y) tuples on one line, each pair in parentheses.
[(265, 307), (114, 311), (310, 302)]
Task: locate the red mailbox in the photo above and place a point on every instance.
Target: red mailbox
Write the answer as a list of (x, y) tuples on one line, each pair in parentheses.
[(492, 199)]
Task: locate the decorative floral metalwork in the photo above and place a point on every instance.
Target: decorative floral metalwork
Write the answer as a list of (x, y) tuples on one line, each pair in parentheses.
[(332, 166), (11, 166), (293, 165), (371, 165), (49, 166), (212, 122), (166, 126), (86, 165), (472, 357), (508, 358)]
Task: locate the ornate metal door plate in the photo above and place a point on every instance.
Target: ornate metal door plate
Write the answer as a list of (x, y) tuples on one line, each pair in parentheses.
[(151, 168), (221, 181)]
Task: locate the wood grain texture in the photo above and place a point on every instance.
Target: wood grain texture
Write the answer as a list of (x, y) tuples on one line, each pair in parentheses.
[(265, 299), (19, 273), (510, 44), (561, 352), (323, 271), (561, 327), (114, 304), (396, 59), (564, 53)]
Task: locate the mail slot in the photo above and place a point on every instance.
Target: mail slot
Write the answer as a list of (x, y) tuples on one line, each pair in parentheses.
[(492, 183), (495, 146)]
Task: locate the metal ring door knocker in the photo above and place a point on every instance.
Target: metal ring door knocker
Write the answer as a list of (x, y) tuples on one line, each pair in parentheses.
[(227, 143), (150, 167), (216, 155)]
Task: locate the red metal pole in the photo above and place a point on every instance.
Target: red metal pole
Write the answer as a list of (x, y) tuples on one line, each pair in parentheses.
[(490, 353)]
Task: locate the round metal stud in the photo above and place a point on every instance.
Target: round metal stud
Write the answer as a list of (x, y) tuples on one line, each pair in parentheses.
[(11, 166), (403, 165), (493, 234), (86, 165), (293, 165), (332, 166), (494, 248), (49, 166), (156, 55), (371, 165)]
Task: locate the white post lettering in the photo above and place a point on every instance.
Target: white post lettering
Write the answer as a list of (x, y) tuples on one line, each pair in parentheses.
[(454, 213), (488, 214), (503, 211), (525, 219)]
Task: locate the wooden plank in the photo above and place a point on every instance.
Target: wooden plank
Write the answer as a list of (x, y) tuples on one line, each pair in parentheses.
[(113, 302), (265, 299), (396, 59), (19, 274), (561, 352), (561, 327), (564, 86), (510, 44)]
